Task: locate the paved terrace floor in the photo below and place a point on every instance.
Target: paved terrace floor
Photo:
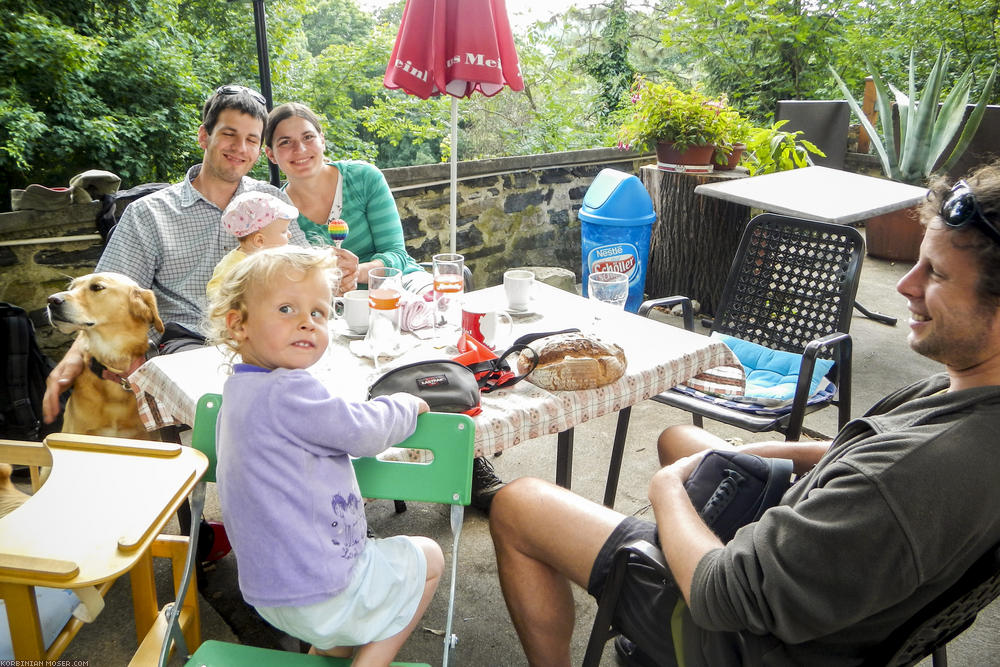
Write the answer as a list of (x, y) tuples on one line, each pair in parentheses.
[(486, 638)]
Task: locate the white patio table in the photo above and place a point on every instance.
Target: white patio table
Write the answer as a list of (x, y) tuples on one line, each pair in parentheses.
[(817, 193), (820, 193), (659, 356)]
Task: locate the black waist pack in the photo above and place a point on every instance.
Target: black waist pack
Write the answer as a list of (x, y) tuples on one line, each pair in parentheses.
[(446, 385), (731, 489)]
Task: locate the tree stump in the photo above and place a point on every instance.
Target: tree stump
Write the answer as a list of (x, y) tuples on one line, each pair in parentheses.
[(694, 238)]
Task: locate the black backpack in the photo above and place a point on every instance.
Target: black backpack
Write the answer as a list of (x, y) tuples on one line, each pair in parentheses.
[(106, 217), (23, 369)]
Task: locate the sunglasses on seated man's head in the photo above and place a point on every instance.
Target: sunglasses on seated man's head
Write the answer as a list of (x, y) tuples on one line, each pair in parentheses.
[(232, 89), (961, 209)]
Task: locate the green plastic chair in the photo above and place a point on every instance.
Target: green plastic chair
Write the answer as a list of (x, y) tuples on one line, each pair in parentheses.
[(447, 479)]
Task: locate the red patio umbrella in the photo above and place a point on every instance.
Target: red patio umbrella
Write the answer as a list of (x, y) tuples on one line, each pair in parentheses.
[(454, 47)]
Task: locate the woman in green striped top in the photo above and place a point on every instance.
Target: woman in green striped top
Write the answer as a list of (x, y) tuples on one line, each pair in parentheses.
[(353, 191)]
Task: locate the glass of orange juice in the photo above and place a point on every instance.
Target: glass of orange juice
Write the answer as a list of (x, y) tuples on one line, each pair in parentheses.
[(384, 290), (449, 285)]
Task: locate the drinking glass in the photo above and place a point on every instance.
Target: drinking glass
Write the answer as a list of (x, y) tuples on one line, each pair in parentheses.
[(449, 284), (384, 289), (610, 288)]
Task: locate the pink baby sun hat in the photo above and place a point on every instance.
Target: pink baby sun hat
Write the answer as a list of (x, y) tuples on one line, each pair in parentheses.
[(251, 212)]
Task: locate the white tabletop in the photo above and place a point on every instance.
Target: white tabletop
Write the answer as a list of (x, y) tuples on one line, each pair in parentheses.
[(659, 356), (817, 193)]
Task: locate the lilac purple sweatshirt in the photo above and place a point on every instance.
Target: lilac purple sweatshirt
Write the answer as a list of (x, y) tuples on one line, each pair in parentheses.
[(289, 497)]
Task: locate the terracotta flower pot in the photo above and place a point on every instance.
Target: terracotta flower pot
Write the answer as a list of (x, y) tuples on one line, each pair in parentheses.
[(693, 156), (734, 158), (895, 236)]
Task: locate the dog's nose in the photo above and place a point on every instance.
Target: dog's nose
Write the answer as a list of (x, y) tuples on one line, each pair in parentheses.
[(56, 299)]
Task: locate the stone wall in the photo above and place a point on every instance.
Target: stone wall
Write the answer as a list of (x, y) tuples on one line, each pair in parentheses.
[(516, 211)]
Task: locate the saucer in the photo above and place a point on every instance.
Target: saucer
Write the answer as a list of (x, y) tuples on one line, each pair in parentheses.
[(339, 327), (360, 348), (521, 312)]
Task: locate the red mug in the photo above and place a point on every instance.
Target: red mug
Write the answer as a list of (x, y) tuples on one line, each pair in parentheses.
[(487, 326)]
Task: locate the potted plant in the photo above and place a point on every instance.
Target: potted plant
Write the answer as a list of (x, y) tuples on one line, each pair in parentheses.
[(683, 126), (771, 149), (924, 129), (736, 131)]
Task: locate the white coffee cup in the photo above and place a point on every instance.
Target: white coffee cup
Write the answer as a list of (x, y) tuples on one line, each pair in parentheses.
[(517, 284), (353, 309)]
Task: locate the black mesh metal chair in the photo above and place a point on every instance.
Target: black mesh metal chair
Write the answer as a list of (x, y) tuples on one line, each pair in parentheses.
[(946, 617), (928, 632), (791, 287)]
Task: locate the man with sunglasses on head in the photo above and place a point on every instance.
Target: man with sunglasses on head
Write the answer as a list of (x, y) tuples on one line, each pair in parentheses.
[(883, 520), (171, 240)]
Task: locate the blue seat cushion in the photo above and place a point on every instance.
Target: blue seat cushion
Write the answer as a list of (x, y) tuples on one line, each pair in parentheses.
[(55, 606), (771, 375)]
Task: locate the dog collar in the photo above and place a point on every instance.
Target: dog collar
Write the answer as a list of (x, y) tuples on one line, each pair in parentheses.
[(105, 373)]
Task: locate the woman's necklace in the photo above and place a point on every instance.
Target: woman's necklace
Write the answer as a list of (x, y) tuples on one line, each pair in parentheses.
[(315, 199)]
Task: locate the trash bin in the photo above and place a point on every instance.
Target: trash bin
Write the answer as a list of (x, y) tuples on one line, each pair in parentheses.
[(616, 221)]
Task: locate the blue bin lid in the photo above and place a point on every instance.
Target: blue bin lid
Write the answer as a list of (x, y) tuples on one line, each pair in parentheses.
[(617, 198)]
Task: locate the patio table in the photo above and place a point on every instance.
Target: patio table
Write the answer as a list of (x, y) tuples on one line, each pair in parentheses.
[(659, 356), (820, 193)]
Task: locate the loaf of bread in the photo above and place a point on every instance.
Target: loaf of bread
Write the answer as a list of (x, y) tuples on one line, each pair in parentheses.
[(573, 361)]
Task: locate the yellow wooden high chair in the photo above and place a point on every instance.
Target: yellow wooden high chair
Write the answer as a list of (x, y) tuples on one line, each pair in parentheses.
[(447, 479), (98, 516)]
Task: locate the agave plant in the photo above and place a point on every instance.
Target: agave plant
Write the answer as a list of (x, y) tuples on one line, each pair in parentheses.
[(925, 129)]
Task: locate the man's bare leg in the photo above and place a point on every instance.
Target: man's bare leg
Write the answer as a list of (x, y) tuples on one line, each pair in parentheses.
[(545, 537), (682, 440), (679, 441)]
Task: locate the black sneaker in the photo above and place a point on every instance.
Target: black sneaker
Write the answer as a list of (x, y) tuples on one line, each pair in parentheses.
[(485, 484)]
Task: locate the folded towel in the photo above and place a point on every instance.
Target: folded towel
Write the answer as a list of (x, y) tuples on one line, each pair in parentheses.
[(415, 312), (722, 381)]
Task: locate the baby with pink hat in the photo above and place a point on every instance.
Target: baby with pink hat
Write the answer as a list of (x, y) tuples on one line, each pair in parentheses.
[(259, 221)]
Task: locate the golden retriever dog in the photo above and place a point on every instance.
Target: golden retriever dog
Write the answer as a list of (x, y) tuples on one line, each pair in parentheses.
[(112, 316), (10, 496)]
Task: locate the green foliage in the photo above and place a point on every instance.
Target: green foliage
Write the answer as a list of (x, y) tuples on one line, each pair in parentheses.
[(926, 126), (758, 51), (363, 120), (771, 149), (351, 24), (663, 112), (967, 29), (733, 129), (611, 68), (558, 110), (118, 84), (120, 100)]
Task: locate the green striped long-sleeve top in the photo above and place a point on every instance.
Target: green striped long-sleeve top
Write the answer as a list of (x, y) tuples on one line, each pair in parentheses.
[(374, 227)]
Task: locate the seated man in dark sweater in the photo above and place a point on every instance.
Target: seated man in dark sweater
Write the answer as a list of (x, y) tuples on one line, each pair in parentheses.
[(888, 516)]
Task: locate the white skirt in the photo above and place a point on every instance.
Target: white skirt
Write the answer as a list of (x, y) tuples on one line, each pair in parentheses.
[(379, 601)]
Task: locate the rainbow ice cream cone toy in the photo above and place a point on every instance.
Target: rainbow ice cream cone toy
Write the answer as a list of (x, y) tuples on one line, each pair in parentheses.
[(338, 231)]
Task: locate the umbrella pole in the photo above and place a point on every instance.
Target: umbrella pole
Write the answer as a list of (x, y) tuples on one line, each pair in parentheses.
[(264, 71), (454, 171)]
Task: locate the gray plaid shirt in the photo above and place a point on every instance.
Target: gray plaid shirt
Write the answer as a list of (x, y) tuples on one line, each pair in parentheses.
[(170, 242)]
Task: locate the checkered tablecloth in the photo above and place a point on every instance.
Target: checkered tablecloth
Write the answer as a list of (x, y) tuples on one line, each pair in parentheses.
[(659, 357)]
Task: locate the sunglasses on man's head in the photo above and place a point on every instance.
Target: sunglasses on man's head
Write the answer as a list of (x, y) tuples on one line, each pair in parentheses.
[(961, 209), (231, 89)]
